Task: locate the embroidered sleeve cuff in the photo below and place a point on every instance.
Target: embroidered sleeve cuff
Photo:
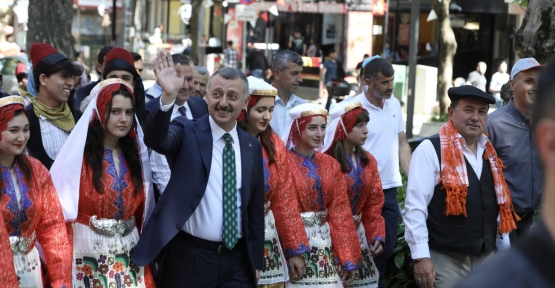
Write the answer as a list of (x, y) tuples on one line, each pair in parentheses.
[(420, 250), (350, 266), (292, 252)]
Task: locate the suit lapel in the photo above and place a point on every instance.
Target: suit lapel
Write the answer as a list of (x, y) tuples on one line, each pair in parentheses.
[(204, 140), (246, 164)]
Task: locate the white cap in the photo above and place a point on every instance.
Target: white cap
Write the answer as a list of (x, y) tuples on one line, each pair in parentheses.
[(300, 111), (260, 87), (336, 111), (524, 64)]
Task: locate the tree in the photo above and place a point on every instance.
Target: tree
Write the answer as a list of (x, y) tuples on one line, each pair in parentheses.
[(50, 22), (194, 24), (536, 36), (447, 51)]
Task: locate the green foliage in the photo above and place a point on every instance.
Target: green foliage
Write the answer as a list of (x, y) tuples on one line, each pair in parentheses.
[(522, 3), (439, 118), (399, 267)]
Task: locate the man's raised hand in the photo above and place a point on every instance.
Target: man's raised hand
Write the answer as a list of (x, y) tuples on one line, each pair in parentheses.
[(169, 76)]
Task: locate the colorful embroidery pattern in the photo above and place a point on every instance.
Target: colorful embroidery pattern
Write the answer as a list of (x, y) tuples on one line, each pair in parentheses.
[(319, 267), (108, 271), (273, 264)]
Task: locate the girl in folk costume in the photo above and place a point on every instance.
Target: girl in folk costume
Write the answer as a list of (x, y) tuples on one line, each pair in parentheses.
[(322, 199), (280, 200), (106, 161), (30, 209), (345, 136)]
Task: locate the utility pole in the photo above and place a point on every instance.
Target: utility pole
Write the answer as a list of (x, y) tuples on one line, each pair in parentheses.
[(413, 47)]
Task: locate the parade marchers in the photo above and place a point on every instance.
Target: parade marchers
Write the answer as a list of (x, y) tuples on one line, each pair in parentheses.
[(240, 203)]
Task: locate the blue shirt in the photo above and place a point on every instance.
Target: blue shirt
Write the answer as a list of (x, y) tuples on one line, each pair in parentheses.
[(511, 136), (280, 117), (331, 70)]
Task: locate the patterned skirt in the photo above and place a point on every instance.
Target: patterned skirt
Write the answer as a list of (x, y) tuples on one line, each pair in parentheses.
[(275, 267), (102, 261), (367, 275), (319, 262), (28, 269)]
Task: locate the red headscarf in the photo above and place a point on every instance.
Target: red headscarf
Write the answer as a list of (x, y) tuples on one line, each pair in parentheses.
[(7, 113), (103, 99)]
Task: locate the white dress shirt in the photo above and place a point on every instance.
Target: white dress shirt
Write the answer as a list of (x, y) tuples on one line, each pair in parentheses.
[(280, 116), (53, 138), (207, 220), (158, 163), (424, 174)]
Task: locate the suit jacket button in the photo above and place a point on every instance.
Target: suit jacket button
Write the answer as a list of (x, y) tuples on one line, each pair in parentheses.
[(193, 207), (178, 227)]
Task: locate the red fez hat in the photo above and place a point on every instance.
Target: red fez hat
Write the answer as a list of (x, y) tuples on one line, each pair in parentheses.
[(42, 52), (21, 68), (119, 59)]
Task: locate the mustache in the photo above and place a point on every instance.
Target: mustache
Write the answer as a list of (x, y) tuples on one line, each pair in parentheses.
[(223, 109), (475, 123)]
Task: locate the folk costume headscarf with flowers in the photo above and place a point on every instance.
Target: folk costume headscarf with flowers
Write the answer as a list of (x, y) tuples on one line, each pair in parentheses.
[(454, 176), (38, 216), (318, 188), (66, 170), (280, 202)]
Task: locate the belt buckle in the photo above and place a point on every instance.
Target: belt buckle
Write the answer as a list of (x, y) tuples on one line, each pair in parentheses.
[(221, 248)]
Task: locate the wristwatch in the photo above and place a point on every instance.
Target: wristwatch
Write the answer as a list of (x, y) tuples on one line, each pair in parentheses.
[(420, 259)]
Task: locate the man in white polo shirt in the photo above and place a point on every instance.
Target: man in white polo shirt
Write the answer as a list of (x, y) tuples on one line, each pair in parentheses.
[(387, 142)]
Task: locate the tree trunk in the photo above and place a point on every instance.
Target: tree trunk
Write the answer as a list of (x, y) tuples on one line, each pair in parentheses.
[(536, 36), (194, 24), (50, 22), (447, 51)]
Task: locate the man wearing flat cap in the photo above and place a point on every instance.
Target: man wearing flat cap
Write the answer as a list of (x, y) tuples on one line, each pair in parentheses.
[(456, 191)]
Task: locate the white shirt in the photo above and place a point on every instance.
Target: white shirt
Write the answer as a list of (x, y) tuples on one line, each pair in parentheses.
[(497, 80), (175, 111), (424, 175), (158, 163), (280, 116), (53, 138), (383, 137), (207, 220)]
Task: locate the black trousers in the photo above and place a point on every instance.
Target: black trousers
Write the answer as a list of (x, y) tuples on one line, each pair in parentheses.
[(191, 262)]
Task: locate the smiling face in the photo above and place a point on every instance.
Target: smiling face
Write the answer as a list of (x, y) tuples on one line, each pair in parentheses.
[(524, 86), (470, 117), (188, 87), (119, 119), (313, 135), (260, 114), (225, 99), (14, 138), (58, 87)]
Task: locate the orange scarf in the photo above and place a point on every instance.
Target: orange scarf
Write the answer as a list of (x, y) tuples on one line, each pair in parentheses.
[(455, 179)]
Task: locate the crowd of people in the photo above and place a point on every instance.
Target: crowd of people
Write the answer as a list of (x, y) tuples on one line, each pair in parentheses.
[(224, 180)]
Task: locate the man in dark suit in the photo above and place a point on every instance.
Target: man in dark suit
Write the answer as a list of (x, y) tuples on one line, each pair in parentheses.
[(194, 107), (207, 228), (185, 105)]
